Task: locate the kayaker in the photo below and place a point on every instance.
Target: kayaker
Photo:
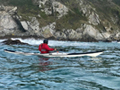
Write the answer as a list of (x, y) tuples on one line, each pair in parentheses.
[(44, 48)]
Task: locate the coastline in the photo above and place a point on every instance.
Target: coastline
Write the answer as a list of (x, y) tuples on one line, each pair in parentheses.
[(50, 38), (38, 37)]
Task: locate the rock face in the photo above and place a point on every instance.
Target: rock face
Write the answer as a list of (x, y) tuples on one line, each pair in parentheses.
[(50, 6), (81, 20), (8, 25)]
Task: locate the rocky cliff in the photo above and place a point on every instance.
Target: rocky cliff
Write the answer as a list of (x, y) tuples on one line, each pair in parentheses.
[(81, 20)]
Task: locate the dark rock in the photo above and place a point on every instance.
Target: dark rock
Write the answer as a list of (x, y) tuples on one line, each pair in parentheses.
[(88, 38), (51, 38), (106, 40), (9, 42)]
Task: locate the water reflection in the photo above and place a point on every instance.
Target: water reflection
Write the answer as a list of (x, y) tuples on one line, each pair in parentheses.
[(44, 64)]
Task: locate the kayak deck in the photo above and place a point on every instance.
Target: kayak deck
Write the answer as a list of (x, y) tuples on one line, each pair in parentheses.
[(57, 54)]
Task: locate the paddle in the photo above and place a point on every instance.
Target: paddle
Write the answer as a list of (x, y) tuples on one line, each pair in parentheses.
[(60, 49)]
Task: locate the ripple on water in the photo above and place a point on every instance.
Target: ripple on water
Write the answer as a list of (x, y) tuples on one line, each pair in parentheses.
[(19, 72)]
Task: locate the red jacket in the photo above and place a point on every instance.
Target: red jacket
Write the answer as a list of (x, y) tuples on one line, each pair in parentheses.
[(44, 48)]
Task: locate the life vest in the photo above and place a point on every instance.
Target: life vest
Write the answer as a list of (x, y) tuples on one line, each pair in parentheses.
[(44, 48)]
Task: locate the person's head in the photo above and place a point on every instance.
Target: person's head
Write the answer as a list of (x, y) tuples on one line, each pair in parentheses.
[(45, 41)]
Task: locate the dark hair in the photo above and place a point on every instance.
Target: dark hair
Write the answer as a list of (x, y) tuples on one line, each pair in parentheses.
[(45, 41)]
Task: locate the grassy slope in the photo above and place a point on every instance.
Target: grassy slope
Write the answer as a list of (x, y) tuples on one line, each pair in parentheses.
[(26, 8), (106, 10), (116, 2), (74, 18)]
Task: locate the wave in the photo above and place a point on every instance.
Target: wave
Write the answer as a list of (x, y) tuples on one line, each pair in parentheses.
[(33, 41), (1, 40)]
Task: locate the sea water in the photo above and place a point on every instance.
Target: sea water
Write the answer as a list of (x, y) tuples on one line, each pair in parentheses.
[(20, 72)]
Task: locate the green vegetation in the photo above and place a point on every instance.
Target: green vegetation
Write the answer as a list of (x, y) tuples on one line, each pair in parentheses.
[(108, 12), (25, 7), (19, 3), (74, 18), (104, 8), (116, 2), (71, 20)]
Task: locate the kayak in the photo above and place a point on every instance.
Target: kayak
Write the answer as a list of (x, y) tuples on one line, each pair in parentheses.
[(57, 54)]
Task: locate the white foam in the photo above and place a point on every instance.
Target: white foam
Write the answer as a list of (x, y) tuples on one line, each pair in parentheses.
[(1, 40), (33, 41)]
